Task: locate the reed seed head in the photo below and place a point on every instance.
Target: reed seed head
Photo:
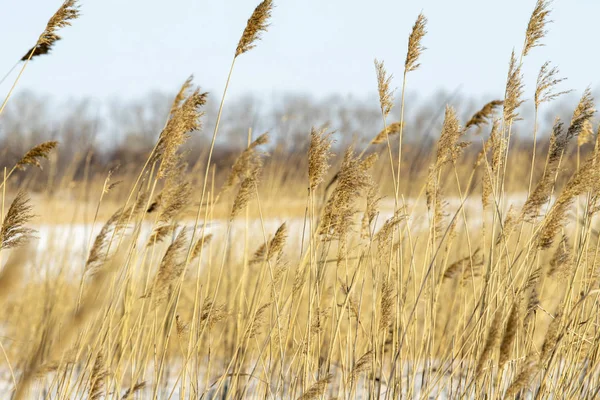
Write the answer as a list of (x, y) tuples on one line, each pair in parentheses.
[(257, 24)]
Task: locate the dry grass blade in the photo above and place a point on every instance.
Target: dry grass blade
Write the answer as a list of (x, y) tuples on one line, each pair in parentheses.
[(14, 233), (247, 188), (33, 156), (415, 47), (536, 29), (510, 333), (386, 304), (528, 371), (363, 364), (386, 94), (200, 243), (257, 24)]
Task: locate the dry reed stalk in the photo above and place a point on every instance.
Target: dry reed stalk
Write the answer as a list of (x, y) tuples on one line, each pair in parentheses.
[(13, 232), (319, 154), (181, 95), (449, 145), (562, 260), (386, 94), (257, 24), (415, 47), (172, 201), (536, 28), (484, 115)]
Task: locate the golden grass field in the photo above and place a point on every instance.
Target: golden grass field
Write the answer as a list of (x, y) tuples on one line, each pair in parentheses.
[(321, 276)]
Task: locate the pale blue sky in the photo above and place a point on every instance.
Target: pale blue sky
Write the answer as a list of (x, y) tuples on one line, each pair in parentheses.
[(126, 48)]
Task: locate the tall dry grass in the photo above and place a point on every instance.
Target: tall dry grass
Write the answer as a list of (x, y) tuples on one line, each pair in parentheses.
[(196, 286)]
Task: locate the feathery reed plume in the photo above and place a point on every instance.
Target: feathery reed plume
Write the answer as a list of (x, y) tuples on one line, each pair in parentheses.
[(13, 232), (353, 177), (181, 95), (386, 94), (257, 23), (449, 147), (184, 120), (459, 267), (317, 390), (558, 144), (514, 90), (551, 338), (528, 371), (484, 115), (391, 129), (536, 29), (97, 377), (173, 200), (561, 261), (319, 153), (492, 339), (275, 246), (586, 178), (373, 199), (510, 333), (415, 47), (586, 135), (200, 243), (583, 113), (386, 304), (170, 269), (247, 188), (67, 12), (546, 81), (212, 314), (32, 156), (258, 321), (182, 327), (131, 391), (98, 253), (384, 235), (363, 364), (245, 162)]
